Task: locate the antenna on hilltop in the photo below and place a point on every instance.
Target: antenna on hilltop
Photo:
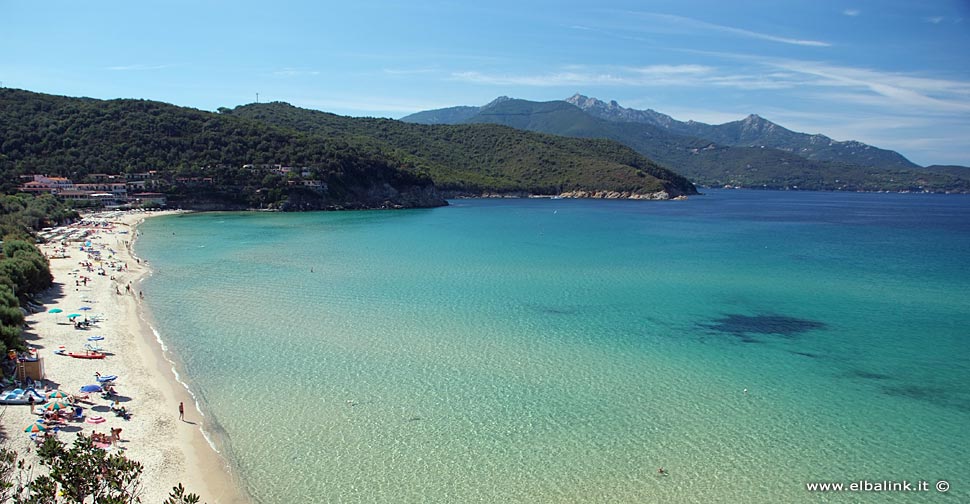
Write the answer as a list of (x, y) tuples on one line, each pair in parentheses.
[(257, 97)]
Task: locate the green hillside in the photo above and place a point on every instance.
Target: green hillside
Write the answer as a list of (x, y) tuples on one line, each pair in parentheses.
[(477, 158), (75, 137)]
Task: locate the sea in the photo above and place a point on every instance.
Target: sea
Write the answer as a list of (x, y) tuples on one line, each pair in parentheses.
[(750, 344)]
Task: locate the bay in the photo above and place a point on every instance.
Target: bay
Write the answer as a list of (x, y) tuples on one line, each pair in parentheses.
[(563, 350)]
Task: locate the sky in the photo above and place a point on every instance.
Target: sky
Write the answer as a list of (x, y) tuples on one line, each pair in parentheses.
[(890, 73)]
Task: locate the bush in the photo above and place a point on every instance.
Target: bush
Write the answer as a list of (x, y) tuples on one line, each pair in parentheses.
[(81, 473)]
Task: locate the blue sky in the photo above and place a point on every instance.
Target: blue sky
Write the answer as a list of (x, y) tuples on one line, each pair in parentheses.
[(892, 73)]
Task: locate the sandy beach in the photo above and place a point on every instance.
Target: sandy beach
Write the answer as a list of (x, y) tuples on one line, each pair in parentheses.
[(171, 450)]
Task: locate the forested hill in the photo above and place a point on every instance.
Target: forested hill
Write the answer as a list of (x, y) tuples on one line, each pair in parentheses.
[(475, 158), (349, 162), (75, 137)]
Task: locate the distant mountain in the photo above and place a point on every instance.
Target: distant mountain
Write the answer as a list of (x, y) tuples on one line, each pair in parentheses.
[(482, 158), (752, 131), (451, 115), (704, 161)]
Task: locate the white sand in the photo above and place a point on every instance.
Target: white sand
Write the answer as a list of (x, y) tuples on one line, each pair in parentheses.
[(171, 451)]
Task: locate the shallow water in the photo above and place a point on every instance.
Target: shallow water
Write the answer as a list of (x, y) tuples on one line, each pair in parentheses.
[(563, 350)]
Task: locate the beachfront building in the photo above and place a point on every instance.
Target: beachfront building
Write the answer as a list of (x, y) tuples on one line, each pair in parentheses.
[(118, 189), (104, 189), (44, 184), (35, 187), (148, 198)]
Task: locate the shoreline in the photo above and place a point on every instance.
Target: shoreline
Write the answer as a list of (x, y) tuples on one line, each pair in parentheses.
[(201, 452), (150, 383)]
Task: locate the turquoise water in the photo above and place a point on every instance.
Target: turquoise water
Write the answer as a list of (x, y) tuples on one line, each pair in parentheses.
[(550, 351)]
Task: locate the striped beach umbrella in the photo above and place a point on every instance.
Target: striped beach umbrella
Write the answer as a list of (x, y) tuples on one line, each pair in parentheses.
[(35, 427), (56, 406), (57, 394)]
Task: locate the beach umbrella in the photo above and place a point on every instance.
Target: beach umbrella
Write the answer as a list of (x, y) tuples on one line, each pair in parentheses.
[(95, 338), (54, 310), (84, 308), (73, 316), (56, 406), (91, 388), (57, 394), (35, 427), (106, 378)]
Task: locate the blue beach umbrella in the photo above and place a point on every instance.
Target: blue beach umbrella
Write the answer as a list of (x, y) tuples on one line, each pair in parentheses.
[(84, 308), (95, 338), (54, 310), (91, 388)]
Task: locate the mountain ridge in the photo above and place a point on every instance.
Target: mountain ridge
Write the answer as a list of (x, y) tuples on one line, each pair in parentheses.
[(706, 162), (753, 131)]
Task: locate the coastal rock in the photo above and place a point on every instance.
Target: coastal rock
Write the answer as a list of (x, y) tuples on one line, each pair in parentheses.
[(377, 196), (659, 195)]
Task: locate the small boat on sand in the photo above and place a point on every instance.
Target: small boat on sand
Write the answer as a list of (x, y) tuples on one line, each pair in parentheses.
[(18, 396), (86, 355)]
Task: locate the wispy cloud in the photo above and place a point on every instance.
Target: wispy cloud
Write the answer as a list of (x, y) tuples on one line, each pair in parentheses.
[(851, 12), (139, 66), (879, 88), (578, 75), (409, 71), (698, 25), (861, 86), (539, 80), (934, 19), (295, 72)]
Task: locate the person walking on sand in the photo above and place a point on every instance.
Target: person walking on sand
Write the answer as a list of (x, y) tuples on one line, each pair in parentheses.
[(182, 411)]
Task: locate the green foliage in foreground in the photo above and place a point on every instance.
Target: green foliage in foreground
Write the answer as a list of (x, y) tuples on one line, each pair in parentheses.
[(77, 474), (11, 319), (24, 271)]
